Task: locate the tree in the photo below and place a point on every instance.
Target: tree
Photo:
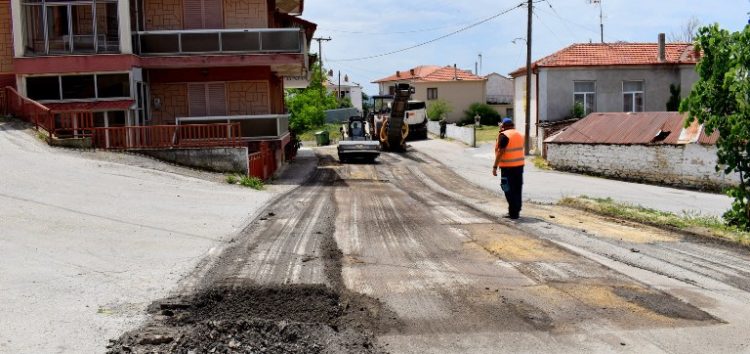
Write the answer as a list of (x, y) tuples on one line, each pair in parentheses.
[(577, 111), (720, 100), (686, 33), (437, 109), (673, 105), (487, 114), (307, 106), (366, 106)]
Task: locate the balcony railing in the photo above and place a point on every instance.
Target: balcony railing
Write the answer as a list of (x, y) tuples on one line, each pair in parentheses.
[(183, 42), (252, 127)]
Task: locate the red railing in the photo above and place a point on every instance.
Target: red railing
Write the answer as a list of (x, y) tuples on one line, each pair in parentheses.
[(60, 124), (167, 136), (262, 163)]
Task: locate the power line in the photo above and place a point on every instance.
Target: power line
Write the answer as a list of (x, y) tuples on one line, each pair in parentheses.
[(432, 40), (393, 32)]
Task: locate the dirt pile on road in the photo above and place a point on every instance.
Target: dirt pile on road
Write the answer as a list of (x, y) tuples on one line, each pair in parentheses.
[(283, 319)]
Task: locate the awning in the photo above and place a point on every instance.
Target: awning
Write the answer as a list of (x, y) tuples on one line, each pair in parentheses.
[(96, 106)]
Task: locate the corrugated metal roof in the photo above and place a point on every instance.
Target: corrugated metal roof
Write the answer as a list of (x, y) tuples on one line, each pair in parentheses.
[(633, 128)]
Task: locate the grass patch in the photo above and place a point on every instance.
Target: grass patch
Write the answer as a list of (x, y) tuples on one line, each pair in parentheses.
[(41, 136), (232, 179), (487, 133), (697, 224), (541, 163), (246, 181), (331, 128), (252, 182)]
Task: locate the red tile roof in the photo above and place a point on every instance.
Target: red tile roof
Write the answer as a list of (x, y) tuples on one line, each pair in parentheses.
[(634, 129), (119, 105), (607, 54), (431, 73)]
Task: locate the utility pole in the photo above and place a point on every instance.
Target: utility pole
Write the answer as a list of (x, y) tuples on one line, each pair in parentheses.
[(527, 131), (320, 49), (480, 63)]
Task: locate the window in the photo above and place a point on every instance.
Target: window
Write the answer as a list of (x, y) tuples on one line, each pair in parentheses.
[(584, 92), (432, 93), (64, 27), (78, 87), (199, 14), (632, 96), (207, 99)]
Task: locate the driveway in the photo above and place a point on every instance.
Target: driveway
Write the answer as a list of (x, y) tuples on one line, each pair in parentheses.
[(475, 165), (87, 244)]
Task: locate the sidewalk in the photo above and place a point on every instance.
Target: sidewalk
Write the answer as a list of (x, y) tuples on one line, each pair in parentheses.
[(475, 164)]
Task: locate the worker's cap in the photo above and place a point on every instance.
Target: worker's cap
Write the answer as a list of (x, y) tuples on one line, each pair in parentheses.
[(507, 121)]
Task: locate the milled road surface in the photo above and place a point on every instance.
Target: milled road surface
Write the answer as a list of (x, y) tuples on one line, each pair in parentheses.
[(417, 260)]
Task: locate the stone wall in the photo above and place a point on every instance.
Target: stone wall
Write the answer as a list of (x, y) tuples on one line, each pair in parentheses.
[(6, 38), (689, 166), (230, 160), (173, 98), (248, 97), (245, 14), (163, 14)]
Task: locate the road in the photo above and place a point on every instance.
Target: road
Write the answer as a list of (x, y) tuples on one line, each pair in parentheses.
[(550, 186), (415, 259), (89, 239)]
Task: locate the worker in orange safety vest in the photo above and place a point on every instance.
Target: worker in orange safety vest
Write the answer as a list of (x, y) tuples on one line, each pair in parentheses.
[(509, 156)]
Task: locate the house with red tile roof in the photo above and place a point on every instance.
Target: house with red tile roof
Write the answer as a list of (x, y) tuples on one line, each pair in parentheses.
[(460, 88), (603, 77)]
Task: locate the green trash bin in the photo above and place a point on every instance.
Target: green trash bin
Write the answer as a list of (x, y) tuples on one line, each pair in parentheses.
[(322, 138)]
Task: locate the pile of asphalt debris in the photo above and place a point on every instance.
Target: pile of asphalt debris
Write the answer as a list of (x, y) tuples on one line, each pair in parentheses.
[(282, 319)]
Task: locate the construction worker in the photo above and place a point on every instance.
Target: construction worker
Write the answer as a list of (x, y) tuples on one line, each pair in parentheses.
[(509, 156)]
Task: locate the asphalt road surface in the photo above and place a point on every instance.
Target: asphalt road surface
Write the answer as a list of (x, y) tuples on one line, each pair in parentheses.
[(415, 259)]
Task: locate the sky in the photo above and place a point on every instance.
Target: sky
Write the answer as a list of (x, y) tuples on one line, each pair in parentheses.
[(364, 28)]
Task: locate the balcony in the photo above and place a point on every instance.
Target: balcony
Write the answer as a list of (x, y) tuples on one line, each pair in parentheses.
[(252, 127), (222, 41)]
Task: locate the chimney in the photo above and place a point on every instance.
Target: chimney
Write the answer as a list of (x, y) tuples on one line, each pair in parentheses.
[(398, 74), (411, 71), (455, 72), (662, 48)]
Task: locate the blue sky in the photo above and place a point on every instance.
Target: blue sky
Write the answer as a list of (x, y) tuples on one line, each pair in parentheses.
[(366, 27)]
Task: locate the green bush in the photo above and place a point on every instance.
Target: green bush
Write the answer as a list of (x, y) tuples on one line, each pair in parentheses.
[(578, 111), (252, 182), (307, 106), (487, 114), (437, 109), (232, 179)]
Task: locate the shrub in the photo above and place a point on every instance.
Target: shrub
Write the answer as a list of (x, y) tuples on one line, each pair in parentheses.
[(578, 111), (487, 114), (252, 182), (232, 179), (437, 109)]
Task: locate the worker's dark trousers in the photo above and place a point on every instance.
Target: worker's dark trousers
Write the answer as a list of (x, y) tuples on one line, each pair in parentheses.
[(514, 194)]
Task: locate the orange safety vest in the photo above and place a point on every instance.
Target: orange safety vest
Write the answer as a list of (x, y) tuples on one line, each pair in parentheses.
[(513, 155)]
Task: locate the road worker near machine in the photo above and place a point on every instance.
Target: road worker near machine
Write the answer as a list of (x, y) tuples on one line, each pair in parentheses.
[(510, 158)]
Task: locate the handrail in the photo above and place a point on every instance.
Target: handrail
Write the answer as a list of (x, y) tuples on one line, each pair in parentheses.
[(178, 120), (168, 136), (223, 30)]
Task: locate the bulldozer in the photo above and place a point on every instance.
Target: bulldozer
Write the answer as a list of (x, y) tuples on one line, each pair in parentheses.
[(390, 118)]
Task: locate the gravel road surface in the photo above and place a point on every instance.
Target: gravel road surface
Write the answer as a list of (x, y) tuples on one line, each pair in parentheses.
[(409, 257)]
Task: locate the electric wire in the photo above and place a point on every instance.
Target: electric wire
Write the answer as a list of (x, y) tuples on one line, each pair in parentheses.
[(462, 29)]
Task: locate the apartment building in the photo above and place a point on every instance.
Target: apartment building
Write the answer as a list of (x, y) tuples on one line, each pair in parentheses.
[(159, 62)]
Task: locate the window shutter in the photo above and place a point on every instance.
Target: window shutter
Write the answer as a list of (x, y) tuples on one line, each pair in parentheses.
[(197, 100), (217, 99), (193, 10), (213, 14)]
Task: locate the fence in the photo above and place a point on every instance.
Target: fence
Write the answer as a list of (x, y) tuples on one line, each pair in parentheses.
[(60, 124), (262, 164), (168, 136)]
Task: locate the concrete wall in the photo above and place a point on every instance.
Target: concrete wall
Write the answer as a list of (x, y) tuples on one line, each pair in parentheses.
[(459, 95), (212, 159), (340, 115), (556, 87), (499, 86), (690, 166), (462, 134)]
